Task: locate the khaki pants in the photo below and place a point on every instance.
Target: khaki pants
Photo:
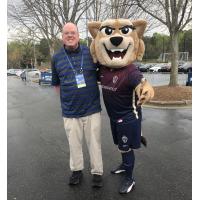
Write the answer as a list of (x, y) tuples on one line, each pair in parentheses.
[(90, 126)]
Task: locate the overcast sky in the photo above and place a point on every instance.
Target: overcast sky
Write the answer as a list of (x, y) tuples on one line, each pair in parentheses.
[(81, 25)]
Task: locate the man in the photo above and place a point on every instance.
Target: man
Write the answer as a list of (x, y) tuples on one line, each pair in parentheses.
[(74, 75)]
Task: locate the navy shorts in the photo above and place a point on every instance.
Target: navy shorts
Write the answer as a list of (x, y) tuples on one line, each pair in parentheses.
[(126, 133)]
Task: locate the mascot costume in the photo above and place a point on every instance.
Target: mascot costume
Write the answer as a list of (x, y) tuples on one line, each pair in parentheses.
[(117, 44)]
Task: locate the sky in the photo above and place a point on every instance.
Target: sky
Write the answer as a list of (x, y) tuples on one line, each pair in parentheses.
[(13, 33)]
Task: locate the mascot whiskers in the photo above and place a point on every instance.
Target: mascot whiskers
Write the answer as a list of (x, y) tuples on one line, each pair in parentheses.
[(116, 44)]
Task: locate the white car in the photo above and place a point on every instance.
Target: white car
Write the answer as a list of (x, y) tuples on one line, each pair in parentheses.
[(19, 72), (157, 67), (32, 75), (187, 67), (11, 72)]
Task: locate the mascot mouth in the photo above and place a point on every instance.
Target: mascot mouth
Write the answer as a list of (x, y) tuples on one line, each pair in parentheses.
[(116, 53)]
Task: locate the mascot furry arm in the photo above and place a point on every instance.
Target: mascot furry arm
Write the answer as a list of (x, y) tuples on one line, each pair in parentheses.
[(118, 43)]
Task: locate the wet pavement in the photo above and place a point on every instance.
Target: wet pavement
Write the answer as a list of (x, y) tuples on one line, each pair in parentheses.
[(38, 153)]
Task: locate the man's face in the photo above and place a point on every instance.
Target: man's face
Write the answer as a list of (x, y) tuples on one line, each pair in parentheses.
[(70, 36)]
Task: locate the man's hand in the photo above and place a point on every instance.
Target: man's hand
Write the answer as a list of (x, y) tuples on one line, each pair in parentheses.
[(144, 91), (57, 89)]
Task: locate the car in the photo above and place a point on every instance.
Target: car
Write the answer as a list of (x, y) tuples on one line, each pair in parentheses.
[(45, 77), (18, 72), (187, 67), (166, 67), (180, 69), (157, 67), (30, 75), (146, 67), (181, 62), (11, 72), (138, 64)]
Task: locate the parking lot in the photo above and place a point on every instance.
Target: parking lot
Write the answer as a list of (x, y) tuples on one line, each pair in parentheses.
[(157, 79), (38, 153)]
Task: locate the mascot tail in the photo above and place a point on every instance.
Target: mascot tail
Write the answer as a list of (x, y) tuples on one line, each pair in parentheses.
[(143, 141)]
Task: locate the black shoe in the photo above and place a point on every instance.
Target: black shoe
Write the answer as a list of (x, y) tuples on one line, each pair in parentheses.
[(127, 185), (97, 181), (75, 178), (120, 169)]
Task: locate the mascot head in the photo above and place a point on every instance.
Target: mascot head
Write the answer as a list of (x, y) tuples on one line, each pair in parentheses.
[(117, 42)]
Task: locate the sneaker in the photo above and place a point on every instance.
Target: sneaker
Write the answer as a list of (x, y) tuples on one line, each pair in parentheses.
[(127, 185), (97, 180), (120, 169), (75, 178)]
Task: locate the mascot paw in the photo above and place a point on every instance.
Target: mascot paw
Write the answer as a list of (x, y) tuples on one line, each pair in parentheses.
[(145, 92)]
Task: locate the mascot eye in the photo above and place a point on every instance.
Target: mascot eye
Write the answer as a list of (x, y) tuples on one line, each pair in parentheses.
[(107, 30), (126, 30)]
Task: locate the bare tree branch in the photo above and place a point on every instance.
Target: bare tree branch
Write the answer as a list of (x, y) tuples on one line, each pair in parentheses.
[(145, 9)]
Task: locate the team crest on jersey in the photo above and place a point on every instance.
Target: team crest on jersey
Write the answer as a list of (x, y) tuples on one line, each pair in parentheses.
[(115, 78), (124, 139)]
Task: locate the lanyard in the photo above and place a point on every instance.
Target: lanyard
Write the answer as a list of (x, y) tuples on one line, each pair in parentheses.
[(71, 63)]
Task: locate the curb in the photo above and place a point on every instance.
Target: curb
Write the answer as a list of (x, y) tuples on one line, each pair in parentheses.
[(183, 102), (169, 104)]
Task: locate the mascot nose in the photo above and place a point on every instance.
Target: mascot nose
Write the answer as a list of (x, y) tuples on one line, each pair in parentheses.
[(116, 40)]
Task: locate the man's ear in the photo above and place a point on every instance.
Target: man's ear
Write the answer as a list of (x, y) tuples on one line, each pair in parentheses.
[(140, 26), (93, 27)]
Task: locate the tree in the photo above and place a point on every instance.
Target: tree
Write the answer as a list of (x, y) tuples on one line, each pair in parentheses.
[(20, 54), (155, 45), (175, 15), (122, 9), (14, 55), (45, 18), (185, 41)]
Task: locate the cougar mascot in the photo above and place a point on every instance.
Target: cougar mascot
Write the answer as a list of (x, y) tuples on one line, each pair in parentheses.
[(116, 44)]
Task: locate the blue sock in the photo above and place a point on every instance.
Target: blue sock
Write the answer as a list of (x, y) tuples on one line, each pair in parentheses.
[(128, 160)]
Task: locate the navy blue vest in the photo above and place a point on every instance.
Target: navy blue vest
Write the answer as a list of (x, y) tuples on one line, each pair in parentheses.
[(76, 102)]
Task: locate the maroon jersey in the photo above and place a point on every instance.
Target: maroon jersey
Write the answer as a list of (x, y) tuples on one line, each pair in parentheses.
[(117, 88)]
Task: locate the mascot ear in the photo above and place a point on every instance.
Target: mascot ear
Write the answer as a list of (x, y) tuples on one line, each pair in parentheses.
[(141, 49), (93, 27), (140, 26)]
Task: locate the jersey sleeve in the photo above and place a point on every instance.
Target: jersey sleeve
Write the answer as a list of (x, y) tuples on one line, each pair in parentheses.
[(134, 77), (55, 79)]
